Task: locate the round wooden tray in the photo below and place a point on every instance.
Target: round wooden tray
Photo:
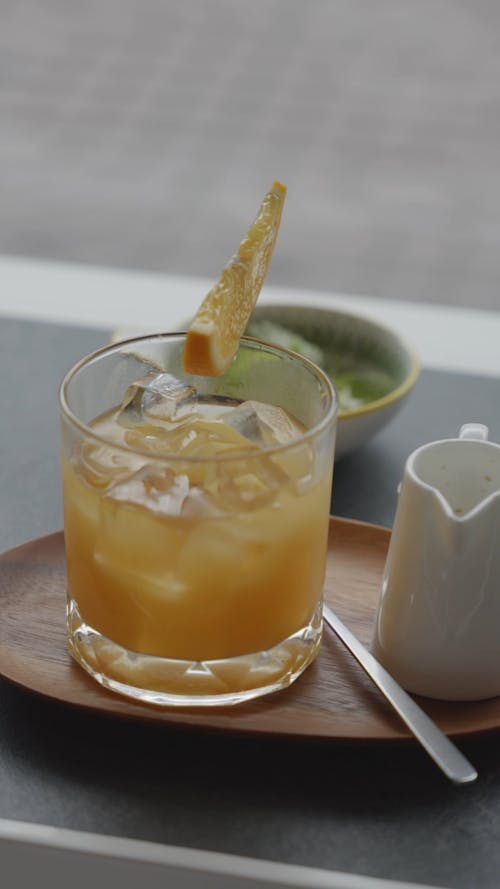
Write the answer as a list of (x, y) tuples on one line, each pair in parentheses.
[(333, 699)]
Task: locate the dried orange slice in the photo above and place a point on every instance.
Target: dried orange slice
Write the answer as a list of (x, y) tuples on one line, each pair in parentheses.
[(214, 335)]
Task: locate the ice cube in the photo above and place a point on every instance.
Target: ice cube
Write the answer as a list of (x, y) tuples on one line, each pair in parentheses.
[(265, 424), (262, 424), (297, 462), (199, 504), (160, 491), (156, 396), (245, 485), (164, 492), (150, 438), (102, 465)]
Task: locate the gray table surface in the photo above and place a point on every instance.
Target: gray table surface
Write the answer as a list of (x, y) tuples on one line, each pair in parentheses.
[(378, 809)]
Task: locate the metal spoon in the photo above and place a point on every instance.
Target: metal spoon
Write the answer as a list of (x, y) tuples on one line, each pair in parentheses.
[(444, 753)]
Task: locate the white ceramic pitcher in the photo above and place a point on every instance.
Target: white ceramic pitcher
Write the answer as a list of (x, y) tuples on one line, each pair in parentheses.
[(438, 621)]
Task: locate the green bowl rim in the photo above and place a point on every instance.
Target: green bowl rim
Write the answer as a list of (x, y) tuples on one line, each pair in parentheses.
[(378, 403)]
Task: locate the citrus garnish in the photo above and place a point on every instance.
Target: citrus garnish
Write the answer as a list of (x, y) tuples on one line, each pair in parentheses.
[(214, 335)]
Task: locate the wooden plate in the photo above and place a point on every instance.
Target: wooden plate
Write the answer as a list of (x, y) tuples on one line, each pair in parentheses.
[(333, 699)]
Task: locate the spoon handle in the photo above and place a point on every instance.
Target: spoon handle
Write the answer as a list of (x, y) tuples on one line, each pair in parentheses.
[(444, 753)]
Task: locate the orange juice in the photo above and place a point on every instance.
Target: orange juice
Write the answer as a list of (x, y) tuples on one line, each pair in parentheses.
[(196, 514), (193, 560)]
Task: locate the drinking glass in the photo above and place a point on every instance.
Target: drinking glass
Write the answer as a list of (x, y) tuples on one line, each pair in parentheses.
[(194, 574)]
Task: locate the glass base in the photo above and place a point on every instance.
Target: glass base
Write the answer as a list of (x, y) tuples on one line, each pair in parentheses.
[(166, 682)]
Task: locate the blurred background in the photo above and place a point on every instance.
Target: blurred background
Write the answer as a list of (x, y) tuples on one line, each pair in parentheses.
[(143, 134)]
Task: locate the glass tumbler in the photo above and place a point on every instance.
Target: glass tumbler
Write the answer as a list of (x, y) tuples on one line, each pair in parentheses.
[(195, 524)]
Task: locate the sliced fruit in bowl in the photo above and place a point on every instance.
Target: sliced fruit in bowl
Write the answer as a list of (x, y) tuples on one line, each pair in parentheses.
[(371, 366)]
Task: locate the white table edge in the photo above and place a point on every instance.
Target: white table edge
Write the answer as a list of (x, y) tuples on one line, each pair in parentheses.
[(446, 338), (201, 869)]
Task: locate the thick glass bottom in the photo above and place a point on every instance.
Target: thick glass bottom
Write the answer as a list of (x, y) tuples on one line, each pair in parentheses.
[(166, 682)]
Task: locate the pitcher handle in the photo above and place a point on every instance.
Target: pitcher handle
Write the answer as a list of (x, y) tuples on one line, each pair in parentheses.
[(474, 431)]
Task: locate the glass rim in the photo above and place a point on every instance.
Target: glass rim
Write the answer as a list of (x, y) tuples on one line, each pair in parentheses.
[(253, 342)]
